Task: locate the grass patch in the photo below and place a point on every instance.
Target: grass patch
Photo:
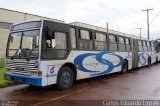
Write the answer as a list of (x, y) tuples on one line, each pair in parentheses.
[(3, 83), (2, 64)]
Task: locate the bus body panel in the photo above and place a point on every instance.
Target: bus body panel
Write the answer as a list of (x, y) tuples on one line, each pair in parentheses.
[(88, 64), (153, 57), (143, 58)]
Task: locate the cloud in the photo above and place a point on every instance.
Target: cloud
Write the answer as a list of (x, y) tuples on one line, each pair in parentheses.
[(122, 15)]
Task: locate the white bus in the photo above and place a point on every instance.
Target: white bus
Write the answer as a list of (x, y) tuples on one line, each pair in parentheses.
[(44, 53)]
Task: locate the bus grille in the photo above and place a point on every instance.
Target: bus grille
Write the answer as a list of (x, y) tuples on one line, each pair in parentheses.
[(21, 67)]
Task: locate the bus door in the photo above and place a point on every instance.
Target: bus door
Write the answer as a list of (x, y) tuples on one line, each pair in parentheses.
[(134, 53)]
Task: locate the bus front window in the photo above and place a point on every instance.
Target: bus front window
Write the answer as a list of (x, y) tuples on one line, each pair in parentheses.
[(23, 44), (14, 43)]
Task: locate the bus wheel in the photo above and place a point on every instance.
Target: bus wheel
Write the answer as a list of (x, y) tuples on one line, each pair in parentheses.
[(64, 78), (124, 67)]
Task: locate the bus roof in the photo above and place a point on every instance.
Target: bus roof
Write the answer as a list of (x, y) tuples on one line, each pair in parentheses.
[(32, 20), (84, 25)]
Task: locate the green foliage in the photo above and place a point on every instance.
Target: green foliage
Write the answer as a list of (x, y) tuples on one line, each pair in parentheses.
[(3, 83), (2, 63)]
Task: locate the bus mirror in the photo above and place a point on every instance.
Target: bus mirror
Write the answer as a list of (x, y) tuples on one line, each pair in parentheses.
[(53, 43)]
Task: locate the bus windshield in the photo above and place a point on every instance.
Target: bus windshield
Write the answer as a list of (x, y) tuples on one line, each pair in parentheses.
[(23, 44)]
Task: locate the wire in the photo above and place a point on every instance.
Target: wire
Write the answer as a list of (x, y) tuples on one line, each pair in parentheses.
[(154, 18)]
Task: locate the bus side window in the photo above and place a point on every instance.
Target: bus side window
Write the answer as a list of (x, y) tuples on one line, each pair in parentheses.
[(58, 40), (100, 41), (152, 46), (127, 42), (144, 46), (49, 41), (85, 41), (73, 38), (112, 43), (140, 47), (148, 46), (55, 45), (121, 44)]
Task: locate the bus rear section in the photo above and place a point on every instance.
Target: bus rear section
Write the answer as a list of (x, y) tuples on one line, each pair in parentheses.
[(144, 53)]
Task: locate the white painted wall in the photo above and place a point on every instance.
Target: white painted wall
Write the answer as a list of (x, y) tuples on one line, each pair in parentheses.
[(3, 41)]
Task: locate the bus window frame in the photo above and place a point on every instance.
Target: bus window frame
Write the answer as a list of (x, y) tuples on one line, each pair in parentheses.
[(91, 38), (140, 45), (106, 40), (109, 42), (120, 43), (129, 44), (67, 38)]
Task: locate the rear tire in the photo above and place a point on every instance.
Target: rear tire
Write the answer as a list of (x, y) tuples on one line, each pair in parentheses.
[(124, 67), (64, 78)]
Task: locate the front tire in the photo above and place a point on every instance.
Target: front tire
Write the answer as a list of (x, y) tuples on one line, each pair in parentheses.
[(64, 78), (124, 67)]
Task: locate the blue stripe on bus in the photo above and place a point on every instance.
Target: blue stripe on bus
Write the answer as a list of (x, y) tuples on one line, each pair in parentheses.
[(24, 79)]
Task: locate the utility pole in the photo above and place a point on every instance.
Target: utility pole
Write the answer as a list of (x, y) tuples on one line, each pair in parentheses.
[(139, 31), (147, 10), (107, 28)]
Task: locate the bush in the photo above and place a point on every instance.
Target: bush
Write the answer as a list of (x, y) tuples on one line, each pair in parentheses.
[(2, 63)]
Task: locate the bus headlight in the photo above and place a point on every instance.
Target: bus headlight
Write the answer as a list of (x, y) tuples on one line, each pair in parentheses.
[(39, 73)]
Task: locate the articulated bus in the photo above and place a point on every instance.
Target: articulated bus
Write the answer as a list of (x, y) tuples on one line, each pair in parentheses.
[(44, 53)]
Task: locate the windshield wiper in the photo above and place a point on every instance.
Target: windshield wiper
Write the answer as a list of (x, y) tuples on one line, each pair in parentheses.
[(23, 53), (14, 54)]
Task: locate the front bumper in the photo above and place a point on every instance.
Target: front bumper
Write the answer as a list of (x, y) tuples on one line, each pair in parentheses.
[(23, 79)]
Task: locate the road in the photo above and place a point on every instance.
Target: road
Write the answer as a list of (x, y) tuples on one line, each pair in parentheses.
[(138, 84)]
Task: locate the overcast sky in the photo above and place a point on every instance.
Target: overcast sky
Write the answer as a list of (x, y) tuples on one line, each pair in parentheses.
[(122, 15)]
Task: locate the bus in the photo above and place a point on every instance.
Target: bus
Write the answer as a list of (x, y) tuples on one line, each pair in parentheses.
[(44, 52), (157, 42)]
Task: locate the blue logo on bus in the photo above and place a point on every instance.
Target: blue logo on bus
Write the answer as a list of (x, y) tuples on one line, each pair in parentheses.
[(36, 64), (142, 59), (52, 70), (99, 57)]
